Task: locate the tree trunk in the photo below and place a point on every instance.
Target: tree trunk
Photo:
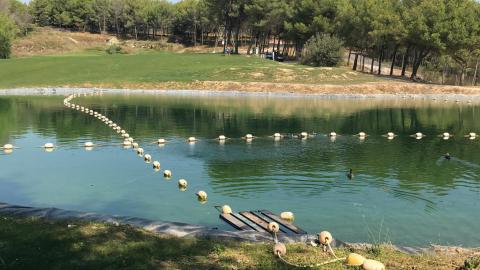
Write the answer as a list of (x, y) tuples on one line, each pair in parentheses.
[(380, 59), (225, 39), (405, 61), (462, 75), (363, 62), (250, 45), (474, 81), (355, 62), (371, 64), (237, 35), (393, 59), (444, 71), (349, 55), (418, 60)]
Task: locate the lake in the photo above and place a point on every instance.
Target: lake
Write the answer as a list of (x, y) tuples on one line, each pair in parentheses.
[(403, 192)]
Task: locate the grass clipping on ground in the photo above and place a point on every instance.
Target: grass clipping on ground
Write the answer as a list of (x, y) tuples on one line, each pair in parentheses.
[(33, 243)]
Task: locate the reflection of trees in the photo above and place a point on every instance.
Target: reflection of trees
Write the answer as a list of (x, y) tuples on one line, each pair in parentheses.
[(404, 168), (410, 162)]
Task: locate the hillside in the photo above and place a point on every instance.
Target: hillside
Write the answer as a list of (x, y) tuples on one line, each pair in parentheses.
[(53, 41)]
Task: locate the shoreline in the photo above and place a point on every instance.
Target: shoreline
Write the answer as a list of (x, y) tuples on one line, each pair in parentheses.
[(180, 230), (360, 91)]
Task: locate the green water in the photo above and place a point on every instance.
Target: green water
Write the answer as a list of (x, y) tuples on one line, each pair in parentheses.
[(403, 190)]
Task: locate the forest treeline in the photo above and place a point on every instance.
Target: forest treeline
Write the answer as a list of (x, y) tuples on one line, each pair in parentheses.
[(442, 36)]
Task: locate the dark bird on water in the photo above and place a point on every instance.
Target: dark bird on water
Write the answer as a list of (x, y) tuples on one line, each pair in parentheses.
[(350, 174), (447, 156)]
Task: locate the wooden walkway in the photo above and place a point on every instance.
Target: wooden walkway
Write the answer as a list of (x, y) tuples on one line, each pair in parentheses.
[(258, 221)]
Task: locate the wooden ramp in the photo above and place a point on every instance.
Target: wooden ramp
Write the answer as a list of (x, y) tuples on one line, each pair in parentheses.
[(258, 221)]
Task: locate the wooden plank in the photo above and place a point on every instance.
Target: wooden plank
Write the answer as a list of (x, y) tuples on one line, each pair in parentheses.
[(234, 222), (260, 222), (248, 222), (277, 219), (268, 220)]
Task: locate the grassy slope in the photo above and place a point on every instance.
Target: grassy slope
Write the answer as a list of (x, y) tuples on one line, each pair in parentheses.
[(157, 67), (31, 243)]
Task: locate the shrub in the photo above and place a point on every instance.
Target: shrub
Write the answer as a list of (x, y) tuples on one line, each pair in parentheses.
[(8, 31), (114, 49), (322, 50)]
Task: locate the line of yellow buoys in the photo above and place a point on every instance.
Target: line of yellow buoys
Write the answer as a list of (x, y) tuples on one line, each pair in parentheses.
[(128, 142)]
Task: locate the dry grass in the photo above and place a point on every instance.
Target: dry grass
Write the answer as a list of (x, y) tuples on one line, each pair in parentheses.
[(52, 41), (367, 88), (49, 41), (32, 243)]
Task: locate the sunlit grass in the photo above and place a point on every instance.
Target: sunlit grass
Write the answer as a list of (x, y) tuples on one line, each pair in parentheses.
[(94, 67)]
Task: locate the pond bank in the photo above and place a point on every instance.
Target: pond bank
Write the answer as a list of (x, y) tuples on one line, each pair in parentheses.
[(72, 243), (360, 91)]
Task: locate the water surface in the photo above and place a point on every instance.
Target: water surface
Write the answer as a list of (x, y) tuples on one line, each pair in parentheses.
[(403, 190)]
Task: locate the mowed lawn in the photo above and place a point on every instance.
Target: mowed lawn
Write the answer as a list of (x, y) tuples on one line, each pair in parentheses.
[(158, 67)]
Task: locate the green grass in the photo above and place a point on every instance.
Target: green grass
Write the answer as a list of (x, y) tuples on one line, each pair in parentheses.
[(98, 69), (33, 243)]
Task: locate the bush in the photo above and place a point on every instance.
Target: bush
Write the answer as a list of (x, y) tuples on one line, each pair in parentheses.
[(114, 49), (322, 50), (8, 30)]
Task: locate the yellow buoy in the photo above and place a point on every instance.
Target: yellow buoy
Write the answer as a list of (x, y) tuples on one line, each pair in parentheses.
[(167, 173), (161, 141), (354, 259), (88, 144), (226, 209), (48, 146), (362, 134), (472, 134), (288, 216), (123, 131), (279, 249), (418, 135), (127, 143), (192, 139), (325, 238), (202, 195), (135, 145), (140, 151), (304, 134), (222, 138), (277, 135), (273, 227), (8, 146), (373, 265), (446, 134), (332, 134), (147, 158), (156, 165), (130, 139), (249, 136), (182, 183), (390, 134)]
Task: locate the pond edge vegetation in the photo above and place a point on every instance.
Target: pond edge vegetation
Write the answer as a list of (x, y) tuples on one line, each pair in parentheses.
[(67, 242)]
